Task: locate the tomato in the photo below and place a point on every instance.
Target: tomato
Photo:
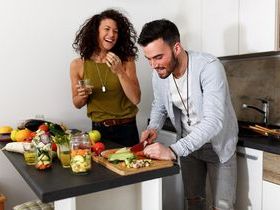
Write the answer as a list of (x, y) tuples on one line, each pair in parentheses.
[(43, 127), (98, 147), (32, 135), (139, 153), (54, 147)]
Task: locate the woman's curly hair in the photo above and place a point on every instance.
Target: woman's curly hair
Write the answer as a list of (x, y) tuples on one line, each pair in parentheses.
[(86, 41)]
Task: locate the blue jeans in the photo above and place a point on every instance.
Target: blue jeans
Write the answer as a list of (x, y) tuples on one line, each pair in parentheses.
[(126, 134), (222, 177)]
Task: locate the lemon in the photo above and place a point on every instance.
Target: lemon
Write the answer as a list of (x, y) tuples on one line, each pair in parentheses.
[(13, 135), (5, 129)]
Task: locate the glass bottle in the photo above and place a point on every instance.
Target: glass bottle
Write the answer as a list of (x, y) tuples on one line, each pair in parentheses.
[(80, 154)]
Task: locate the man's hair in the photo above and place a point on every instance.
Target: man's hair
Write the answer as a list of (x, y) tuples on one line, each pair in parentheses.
[(157, 29)]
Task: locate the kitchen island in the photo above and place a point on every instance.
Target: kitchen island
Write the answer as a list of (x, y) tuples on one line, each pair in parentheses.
[(62, 186)]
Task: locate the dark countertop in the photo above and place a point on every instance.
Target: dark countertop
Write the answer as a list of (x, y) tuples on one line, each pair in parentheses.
[(251, 139), (265, 144), (246, 138), (60, 183)]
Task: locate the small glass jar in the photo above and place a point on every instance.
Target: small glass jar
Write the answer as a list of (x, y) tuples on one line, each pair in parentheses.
[(43, 153), (29, 153), (80, 154), (64, 154)]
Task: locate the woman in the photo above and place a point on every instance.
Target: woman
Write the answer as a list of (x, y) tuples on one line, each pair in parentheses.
[(106, 44)]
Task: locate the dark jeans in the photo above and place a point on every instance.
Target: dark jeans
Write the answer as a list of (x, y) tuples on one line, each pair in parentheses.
[(125, 134)]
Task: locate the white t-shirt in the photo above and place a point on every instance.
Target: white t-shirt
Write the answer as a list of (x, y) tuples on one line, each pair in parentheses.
[(183, 84)]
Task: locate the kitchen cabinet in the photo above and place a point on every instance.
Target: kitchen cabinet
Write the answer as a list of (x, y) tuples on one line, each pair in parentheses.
[(271, 193), (258, 26), (232, 27), (191, 30), (220, 27), (249, 178), (172, 186), (271, 181)]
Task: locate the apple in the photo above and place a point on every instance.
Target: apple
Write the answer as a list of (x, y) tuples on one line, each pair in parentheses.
[(94, 136)]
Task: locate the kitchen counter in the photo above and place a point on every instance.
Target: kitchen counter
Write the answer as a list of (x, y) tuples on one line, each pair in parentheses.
[(266, 144), (60, 183), (246, 138), (251, 139)]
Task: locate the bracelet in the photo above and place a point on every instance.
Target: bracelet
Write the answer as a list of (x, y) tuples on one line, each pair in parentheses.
[(176, 156)]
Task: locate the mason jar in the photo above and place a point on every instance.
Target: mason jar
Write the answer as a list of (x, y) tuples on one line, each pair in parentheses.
[(43, 152), (80, 154)]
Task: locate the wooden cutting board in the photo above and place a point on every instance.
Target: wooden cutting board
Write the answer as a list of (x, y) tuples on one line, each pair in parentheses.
[(121, 169)]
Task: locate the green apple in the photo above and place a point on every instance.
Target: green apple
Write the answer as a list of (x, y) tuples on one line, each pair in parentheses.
[(94, 136)]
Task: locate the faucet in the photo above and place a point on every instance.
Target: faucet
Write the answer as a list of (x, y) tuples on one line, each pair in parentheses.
[(264, 110)]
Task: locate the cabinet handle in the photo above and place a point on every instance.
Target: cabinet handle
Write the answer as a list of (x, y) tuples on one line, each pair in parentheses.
[(251, 157)]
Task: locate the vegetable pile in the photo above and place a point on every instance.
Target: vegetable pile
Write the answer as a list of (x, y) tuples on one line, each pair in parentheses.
[(128, 158)]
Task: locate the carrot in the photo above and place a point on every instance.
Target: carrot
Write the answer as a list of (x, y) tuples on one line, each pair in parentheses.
[(81, 152)]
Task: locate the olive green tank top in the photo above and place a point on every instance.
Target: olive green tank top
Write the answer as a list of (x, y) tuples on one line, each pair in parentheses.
[(111, 104)]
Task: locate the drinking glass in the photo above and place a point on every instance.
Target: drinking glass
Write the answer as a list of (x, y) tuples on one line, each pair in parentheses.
[(64, 154), (85, 83), (29, 153)]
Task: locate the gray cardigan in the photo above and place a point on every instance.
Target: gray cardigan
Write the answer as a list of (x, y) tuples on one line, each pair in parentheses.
[(211, 101)]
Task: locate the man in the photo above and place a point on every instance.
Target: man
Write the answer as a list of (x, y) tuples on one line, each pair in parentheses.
[(192, 90)]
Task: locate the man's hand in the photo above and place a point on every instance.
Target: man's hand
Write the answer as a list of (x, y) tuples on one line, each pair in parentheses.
[(150, 135), (159, 151)]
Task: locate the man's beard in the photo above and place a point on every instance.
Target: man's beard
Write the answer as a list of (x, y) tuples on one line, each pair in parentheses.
[(174, 62)]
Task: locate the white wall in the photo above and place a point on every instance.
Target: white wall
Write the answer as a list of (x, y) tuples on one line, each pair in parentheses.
[(35, 52), (36, 38)]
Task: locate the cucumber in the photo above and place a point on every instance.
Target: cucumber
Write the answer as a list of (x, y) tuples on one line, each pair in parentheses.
[(78, 158), (46, 162), (121, 156), (124, 149), (45, 157)]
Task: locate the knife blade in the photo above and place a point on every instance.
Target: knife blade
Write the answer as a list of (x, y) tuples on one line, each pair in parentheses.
[(139, 147)]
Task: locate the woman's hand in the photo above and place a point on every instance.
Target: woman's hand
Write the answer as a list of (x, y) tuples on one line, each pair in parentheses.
[(83, 91), (126, 72), (114, 62), (79, 94)]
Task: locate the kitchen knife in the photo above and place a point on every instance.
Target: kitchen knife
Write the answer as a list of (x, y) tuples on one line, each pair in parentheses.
[(139, 147)]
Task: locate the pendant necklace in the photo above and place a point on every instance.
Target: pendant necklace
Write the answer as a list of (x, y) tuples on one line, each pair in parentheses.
[(103, 87), (186, 107)]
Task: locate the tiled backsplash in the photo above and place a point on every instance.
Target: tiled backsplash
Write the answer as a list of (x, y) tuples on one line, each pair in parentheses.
[(252, 78)]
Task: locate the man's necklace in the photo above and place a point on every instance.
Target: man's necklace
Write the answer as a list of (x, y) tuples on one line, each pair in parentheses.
[(186, 107), (103, 87)]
